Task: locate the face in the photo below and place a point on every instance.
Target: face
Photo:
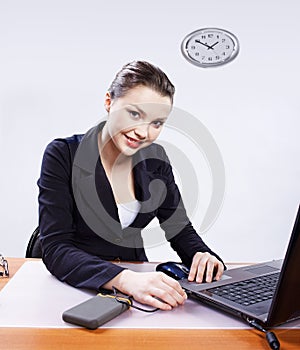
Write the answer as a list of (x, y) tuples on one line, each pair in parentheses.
[(136, 119)]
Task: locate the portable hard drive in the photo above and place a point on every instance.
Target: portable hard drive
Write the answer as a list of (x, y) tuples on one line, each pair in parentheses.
[(95, 311)]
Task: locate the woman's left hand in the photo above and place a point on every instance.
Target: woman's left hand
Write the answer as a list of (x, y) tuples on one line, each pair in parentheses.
[(205, 267)]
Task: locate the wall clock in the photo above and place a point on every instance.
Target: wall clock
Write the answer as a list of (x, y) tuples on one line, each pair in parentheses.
[(210, 47)]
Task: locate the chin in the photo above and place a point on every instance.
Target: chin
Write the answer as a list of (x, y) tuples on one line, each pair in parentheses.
[(129, 151)]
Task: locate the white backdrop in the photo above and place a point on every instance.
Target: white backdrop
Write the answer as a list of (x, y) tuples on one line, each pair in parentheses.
[(58, 58)]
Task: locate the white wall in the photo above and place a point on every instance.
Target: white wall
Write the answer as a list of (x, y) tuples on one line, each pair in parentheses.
[(58, 58)]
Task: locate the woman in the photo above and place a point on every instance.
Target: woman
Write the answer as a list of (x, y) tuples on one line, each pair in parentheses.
[(79, 240)]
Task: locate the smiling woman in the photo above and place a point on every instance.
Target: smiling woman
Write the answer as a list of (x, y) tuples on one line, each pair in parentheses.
[(99, 190), (135, 120)]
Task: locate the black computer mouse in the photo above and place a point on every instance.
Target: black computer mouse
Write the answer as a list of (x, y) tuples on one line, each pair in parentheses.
[(176, 270)]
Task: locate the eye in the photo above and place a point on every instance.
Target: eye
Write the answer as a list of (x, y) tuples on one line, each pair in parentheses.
[(134, 114), (157, 123)]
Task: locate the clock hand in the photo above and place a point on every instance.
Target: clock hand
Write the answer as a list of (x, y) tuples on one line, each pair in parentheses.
[(200, 42), (212, 46), (208, 46)]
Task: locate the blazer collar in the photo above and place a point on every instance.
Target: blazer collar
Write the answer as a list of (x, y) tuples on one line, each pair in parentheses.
[(87, 153)]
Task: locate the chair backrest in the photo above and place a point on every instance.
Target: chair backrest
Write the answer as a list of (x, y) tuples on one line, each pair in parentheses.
[(34, 249)]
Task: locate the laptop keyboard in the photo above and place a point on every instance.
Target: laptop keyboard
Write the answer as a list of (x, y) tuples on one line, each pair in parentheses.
[(249, 292)]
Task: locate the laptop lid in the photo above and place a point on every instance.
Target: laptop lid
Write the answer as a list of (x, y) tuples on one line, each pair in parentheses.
[(285, 304), (286, 300)]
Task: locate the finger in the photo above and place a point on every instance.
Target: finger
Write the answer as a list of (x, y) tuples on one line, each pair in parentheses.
[(169, 296), (174, 292), (170, 291), (151, 298), (210, 266), (156, 303), (193, 271), (220, 270), (173, 284), (163, 292), (201, 267), (194, 267)]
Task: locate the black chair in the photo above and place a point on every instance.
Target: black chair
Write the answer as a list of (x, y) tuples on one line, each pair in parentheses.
[(34, 249)]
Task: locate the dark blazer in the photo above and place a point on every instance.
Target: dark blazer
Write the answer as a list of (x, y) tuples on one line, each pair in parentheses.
[(78, 216)]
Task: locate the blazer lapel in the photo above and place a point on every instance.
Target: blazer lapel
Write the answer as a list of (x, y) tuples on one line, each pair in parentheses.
[(88, 191), (150, 190)]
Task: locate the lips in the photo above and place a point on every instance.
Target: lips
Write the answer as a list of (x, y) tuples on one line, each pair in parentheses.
[(131, 142)]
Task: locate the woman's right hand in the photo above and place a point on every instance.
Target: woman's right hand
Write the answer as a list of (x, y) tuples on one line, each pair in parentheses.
[(151, 288)]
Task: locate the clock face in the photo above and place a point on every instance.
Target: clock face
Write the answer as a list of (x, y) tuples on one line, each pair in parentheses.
[(210, 47)]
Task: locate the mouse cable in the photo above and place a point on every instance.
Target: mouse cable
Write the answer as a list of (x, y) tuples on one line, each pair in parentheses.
[(270, 336)]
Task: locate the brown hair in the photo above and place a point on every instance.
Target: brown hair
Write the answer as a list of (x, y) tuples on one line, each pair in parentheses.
[(141, 73)]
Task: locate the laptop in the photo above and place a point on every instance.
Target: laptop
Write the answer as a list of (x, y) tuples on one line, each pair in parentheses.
[(268, 293)]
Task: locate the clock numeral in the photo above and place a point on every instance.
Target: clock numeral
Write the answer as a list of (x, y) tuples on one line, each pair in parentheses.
[(196, 53), (223, 40), (209, 59), (210, 35), (217, 57), (203, 36), (227, 47), (193, 47), (203, 58), (224, 53)]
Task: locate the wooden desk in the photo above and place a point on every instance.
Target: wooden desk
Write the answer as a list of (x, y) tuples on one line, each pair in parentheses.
[(154, 339)]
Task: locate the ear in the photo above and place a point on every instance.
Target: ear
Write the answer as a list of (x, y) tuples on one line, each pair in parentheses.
[(107, 101)]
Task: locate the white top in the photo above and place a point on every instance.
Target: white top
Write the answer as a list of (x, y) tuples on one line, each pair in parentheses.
[(128, 212)]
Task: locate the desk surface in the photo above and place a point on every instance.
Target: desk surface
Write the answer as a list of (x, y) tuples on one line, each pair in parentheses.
[(158, 339)]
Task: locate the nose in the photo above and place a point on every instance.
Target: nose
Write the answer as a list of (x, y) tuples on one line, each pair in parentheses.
[(141, 131)]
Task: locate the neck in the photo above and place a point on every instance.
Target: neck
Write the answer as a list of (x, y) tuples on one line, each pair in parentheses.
[(108, 151)]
